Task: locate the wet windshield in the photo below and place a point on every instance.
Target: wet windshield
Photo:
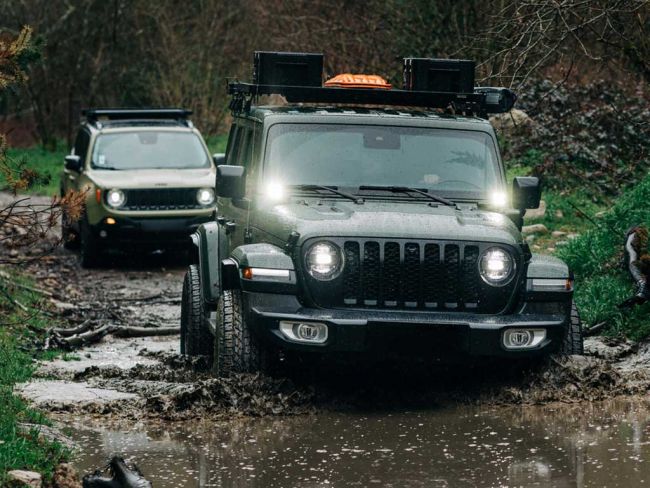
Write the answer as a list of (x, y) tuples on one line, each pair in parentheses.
[(438, 160), (149, 150)]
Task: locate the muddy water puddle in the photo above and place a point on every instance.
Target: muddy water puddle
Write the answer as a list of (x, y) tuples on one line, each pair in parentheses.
[(599, 444)]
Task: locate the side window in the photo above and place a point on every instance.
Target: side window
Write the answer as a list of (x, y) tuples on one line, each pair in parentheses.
[(246, 150), (81, 145), (233, 145)]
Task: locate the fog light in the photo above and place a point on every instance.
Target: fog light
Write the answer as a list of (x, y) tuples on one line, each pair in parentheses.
[(523, 338), (311, 332), (110, 221)]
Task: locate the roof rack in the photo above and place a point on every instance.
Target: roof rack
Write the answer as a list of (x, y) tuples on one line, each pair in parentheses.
[(99, 114), (431, 83)]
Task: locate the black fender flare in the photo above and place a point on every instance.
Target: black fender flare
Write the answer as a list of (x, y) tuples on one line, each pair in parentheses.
[(211, 245), (265, 256)]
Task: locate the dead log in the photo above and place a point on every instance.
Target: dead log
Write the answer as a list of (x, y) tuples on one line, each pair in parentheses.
[(92, 336), (86, 338), (126, 331), (83, 327)]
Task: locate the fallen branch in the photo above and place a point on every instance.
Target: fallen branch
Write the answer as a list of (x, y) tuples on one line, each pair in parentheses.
[(125, 331), (81, 336), (593, 330), (86, 325)]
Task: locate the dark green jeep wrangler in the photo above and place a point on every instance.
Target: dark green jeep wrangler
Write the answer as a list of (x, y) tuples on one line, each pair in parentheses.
[(346, 222)]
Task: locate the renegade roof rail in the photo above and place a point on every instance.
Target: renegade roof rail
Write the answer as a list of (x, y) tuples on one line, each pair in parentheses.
[(430, 83), (99, 114)]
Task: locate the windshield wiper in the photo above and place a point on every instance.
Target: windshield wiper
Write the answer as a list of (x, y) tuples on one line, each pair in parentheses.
[(407, 189), (331, 189)]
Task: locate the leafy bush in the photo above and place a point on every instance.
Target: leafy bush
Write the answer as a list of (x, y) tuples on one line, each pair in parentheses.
[(594, 134), (596, 257)]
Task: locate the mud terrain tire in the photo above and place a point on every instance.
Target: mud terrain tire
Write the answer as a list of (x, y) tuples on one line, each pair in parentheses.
[(70, 237), (236, 350), (90, 249), (573, 342), (196, 339)]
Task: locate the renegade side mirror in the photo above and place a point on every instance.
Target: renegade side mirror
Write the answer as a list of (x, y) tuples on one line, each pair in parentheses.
[(73, 162), (219, 158), (231, 181), (526, 192)]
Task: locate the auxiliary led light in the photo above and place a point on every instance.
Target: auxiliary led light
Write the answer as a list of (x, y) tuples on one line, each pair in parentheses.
[(275, 191), (499, 199)]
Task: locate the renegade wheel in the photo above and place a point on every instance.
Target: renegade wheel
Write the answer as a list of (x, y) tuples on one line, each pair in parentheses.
[(69, 236), (195, 337), (236, 350), (573, 343), (90, 248)]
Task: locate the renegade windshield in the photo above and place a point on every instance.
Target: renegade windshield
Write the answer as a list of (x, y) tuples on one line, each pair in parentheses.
[(443, 161), (149, 149)]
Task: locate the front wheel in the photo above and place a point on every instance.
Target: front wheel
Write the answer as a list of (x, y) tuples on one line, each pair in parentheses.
[(573, 341), (68, 235), (90, 249), (196, 339), (236, 350)]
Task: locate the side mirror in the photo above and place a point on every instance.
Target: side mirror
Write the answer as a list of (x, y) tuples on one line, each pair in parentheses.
[(231, 181), (73, 162), (219, 158), (526, 192)]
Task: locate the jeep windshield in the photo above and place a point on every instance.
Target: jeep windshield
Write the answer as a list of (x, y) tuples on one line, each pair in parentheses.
[(150, 149), (446, 162)]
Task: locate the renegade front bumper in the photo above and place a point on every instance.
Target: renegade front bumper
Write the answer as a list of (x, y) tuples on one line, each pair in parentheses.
[(412, 332), (147, 231)]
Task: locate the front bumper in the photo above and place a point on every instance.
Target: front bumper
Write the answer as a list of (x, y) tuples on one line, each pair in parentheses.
[(148, 231), (415, 333)]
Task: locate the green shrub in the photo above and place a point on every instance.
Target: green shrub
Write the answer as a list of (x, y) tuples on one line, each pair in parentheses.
[(596, 258)]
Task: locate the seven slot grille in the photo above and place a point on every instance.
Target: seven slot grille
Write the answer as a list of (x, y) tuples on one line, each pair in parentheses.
[(161, 199), (403, 274)]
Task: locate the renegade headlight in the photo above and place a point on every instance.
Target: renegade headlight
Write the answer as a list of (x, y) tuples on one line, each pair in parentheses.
[(324, 261), (497, 266), (115, 198), (205, 196)]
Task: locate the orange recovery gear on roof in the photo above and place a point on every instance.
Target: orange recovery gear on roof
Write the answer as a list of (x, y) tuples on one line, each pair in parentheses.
[(348, 80)]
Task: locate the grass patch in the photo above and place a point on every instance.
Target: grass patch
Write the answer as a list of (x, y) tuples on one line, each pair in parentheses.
[(20, 449), (48, 164), (217, 144), (596, 257)]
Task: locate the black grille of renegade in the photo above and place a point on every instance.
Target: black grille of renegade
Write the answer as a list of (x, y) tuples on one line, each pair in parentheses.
[(161, 199), (411, 275)]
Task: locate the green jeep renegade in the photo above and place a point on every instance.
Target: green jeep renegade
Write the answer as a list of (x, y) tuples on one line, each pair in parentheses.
[(148, 180), (349, 223)]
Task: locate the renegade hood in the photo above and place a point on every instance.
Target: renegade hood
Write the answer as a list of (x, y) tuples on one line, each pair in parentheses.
[(154, 178)]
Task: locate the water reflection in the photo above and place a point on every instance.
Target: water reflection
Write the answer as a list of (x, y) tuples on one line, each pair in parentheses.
[(604, 444)]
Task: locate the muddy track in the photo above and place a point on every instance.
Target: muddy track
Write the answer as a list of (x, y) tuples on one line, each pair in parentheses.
[(147, 377)]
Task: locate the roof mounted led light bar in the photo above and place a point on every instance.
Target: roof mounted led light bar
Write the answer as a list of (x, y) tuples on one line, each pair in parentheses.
[(430, 83)]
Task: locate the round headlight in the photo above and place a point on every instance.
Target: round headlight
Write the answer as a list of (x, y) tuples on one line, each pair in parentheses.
[(115, 198), (324, 261), (497, 266), (205, 196)]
